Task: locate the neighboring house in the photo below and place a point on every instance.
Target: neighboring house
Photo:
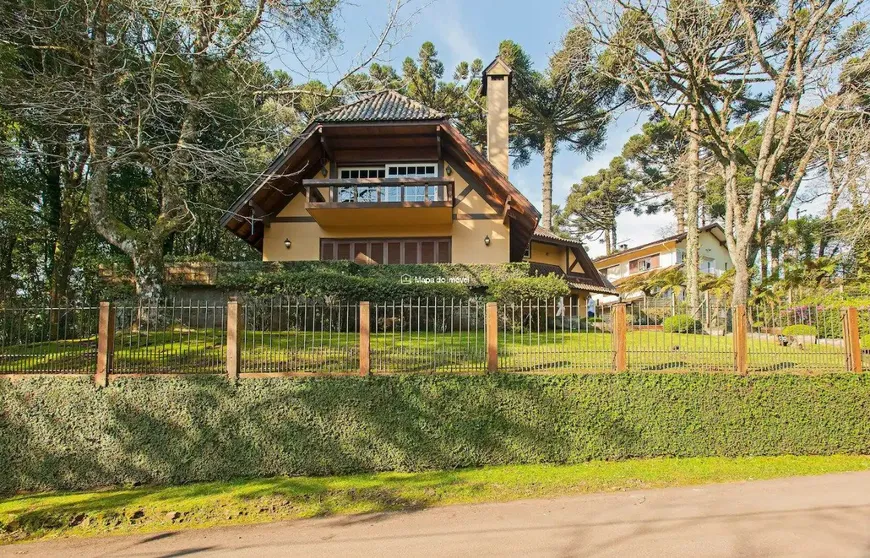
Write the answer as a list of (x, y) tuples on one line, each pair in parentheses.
[(664, 254), (386, 180)]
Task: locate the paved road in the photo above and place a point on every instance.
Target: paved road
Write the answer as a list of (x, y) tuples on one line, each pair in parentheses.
[(826, 516)]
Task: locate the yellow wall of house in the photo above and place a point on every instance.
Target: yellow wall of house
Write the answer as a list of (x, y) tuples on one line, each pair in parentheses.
[(548, 254), (468, 245), (634, 254)]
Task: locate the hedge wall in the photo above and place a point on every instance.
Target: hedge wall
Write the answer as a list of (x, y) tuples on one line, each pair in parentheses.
[(62, 433)]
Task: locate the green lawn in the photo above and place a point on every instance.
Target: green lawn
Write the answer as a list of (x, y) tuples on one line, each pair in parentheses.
[(203, 350), (146, 509)]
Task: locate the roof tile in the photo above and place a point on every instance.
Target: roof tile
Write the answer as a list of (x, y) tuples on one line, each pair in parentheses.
[(383, 106)]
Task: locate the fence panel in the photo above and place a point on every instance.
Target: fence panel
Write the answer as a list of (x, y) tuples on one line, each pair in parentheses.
[(553, 335), (170, 337), (428, 335), (284, 335), (864, 332), (665, 334), (61, 340), (795, 339)]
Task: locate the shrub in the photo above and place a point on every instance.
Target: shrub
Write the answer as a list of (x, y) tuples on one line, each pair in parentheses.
[(681, 323), (865, 341), (545, 287), (61, 433), (800, 329)]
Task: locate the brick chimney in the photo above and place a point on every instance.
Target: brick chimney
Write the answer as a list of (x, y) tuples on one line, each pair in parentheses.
[(496, 82)]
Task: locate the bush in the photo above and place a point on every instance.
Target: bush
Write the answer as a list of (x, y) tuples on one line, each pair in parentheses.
[(545, 287), (681, 323), (865, 341), (60, 433), (800, 329)]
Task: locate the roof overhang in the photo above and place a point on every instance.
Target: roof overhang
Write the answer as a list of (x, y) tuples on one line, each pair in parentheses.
[(371, 142)]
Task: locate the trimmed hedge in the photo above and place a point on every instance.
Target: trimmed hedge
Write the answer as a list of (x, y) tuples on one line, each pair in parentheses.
[(525, 289), (58, 433), (800, 329), (681, 323)]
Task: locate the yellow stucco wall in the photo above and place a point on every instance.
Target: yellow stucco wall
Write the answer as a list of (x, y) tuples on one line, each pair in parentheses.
[(548, 254), (467, 234), (635, 254)]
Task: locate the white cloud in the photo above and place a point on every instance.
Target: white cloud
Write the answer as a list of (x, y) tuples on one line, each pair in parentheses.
[(454, 35)]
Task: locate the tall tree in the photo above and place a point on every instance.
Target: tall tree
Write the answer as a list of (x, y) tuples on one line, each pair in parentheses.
[(565, 104), (733, 61), (593, 205)]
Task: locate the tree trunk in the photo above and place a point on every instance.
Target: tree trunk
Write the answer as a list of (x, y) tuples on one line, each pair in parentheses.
[(741, 282), (607, 244), (678, 197), (547, 182), (692, 197), (614, 243), (762, 246)]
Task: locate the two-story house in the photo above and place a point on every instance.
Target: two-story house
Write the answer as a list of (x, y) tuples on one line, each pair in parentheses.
[(386, 180), (663, 254)]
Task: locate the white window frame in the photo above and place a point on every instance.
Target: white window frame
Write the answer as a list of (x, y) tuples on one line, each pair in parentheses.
[(417, 193), (341, 189)]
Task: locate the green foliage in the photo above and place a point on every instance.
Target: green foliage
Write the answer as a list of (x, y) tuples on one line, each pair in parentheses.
[(865, 341), (800, 329), (351, 281), (61, 433), (681, 323), (545, 287)]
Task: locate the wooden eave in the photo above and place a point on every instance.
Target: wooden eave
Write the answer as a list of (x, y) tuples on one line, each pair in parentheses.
[(375, 142)]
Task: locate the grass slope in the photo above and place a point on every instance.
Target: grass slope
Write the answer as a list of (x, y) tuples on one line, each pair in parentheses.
[(147, 509)]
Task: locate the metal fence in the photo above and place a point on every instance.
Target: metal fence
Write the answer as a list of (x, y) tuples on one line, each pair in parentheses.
[(283, 335), (61, 340), (553, 335), (664, 333), (169, 336), (428, 335), (799, 338)]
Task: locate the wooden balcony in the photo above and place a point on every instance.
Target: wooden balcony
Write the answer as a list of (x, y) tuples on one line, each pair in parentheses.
[(380, 201)]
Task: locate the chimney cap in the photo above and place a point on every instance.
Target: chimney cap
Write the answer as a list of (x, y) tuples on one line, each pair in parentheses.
[(497, 67)]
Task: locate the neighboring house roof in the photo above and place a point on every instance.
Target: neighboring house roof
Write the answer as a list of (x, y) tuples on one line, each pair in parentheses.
[(581, 282), (549, 237), (673, 238), (385, 105), (396, 116), (589, 280)]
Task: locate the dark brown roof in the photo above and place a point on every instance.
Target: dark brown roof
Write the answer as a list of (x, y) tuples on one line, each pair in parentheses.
[(543, 235), (384, 106), (674, 237), (575, 281)]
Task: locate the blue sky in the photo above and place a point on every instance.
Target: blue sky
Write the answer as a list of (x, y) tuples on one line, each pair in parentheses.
[(465, 30)]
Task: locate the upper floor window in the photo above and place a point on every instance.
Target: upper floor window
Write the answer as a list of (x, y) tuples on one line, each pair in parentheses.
[(363, 193), (643, 264)]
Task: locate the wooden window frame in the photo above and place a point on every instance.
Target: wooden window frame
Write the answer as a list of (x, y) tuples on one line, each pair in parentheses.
[(402, 243)]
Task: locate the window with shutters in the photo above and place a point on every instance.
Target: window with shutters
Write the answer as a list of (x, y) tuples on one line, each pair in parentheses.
[(643, 264), (387, 250)]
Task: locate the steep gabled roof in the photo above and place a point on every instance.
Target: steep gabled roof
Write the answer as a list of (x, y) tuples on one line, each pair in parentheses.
[(383, 106), (390, 115), (590, 280)]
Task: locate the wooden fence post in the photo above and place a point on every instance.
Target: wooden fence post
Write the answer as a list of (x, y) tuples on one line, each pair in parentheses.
[(364, 339), (741, 357), (105, 343), (619, 326), (852, 339), (492, 337), (234, 348)]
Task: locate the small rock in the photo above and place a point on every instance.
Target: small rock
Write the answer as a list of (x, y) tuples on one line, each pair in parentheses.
[(172, 516)]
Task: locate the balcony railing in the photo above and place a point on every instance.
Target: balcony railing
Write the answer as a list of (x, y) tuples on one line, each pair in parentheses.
[(404, 191)]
